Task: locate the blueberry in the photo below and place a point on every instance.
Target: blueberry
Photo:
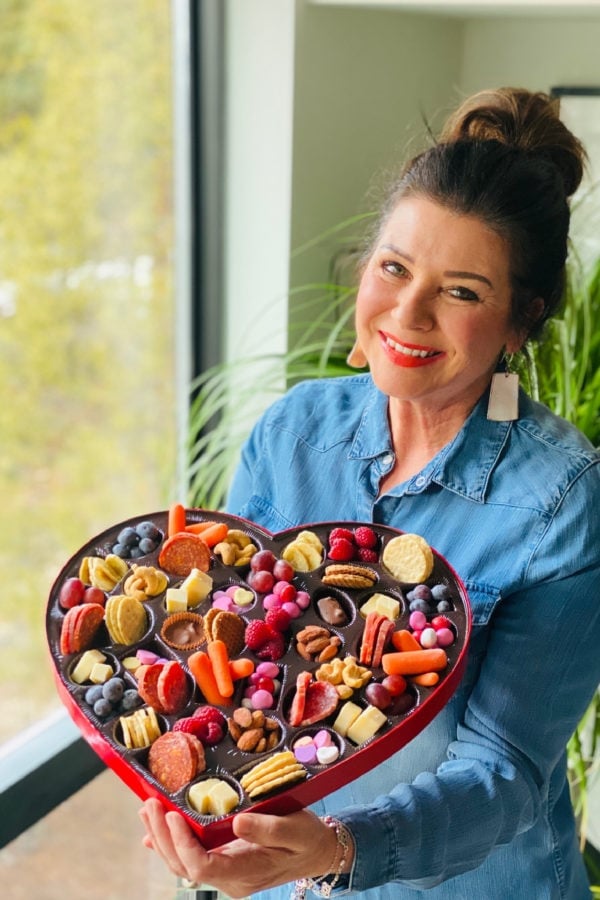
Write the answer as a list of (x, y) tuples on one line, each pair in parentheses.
[(92, 694), (102, 708), (131, 700), (113, 689), (147, 545), (410, 596), (443, 606), (135, 553), (420, 606), (440, 592), (422, 592), (148, 530), (127, 536), (120, 550)]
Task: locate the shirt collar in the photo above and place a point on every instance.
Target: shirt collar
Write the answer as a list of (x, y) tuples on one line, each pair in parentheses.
[(464, 466)]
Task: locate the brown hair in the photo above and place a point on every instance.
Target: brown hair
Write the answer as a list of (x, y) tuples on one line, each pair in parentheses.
[(506, 157)]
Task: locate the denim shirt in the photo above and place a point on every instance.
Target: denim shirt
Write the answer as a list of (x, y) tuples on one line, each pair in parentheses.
[(477, 806)]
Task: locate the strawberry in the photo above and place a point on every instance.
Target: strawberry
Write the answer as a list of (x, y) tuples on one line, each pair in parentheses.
[(341, 550), (257, 633), (278, 619), (365, 537)]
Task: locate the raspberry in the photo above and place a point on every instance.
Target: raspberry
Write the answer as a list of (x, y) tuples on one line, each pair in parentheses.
[(257, 633), (341, 549), (367, 555), (272, 649), (208, 714), (338, 533), (365, 537), (214, 733), (278, 619), (193, 726)]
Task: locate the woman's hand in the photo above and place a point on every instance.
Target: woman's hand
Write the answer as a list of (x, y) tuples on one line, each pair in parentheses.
[(267, 851)]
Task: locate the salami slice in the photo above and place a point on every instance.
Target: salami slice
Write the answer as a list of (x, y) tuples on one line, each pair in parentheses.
[(172, 687), (321, 700), (79, 627), (183, 552), (298, 704)]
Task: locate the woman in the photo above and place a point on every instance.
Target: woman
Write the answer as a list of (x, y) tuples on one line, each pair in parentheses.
[(467, 263)]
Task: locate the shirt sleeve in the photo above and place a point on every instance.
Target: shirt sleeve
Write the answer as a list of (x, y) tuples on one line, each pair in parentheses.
[(539, 673)]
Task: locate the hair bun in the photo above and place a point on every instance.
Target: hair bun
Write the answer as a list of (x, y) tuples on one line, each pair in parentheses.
[(519, 118)]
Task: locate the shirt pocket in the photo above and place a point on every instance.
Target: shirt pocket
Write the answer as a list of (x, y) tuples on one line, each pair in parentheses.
[(260, 511)]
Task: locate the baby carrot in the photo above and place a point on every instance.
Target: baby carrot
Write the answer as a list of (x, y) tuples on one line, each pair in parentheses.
[(414, 662), (210, 532), (240, 668), (176, 519), (201, 669), (404, 640), (219, 658), (427, 679)]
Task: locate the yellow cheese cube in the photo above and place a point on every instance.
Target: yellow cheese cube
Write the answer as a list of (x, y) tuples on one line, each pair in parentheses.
[(100, 673), (366, 725), (176, 600), (346, 716), (383, 604), (83, 669), (197, 587)]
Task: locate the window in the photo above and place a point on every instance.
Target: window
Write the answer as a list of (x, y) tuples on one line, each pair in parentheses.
[(88, 430)]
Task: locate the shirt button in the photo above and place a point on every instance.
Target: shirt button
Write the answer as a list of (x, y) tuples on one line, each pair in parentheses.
[(388, 459), (420, 481)]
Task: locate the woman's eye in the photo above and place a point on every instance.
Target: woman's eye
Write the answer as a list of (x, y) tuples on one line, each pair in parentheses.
[(463, 293), (393, 267)]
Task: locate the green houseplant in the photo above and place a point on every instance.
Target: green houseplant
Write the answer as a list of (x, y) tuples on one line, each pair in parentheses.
[(563, 372)]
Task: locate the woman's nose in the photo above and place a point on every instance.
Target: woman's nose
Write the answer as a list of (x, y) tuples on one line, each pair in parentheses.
[(413, 307)]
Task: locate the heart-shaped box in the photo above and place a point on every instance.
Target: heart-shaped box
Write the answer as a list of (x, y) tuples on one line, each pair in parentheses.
[(225, 760)]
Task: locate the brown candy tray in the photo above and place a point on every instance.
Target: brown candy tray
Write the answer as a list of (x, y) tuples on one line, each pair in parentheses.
[(224, 760)]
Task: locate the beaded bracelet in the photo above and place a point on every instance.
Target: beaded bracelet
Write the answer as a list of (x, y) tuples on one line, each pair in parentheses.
[(320, 885)]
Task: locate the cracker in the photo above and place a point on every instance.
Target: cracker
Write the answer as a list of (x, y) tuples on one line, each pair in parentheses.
[(409, 558), (209, 618), (229, 628), (271, 764), (349, 576), (295, 773), (132, 619)]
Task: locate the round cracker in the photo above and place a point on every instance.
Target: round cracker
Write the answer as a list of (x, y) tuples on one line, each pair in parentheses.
[(409, 558)]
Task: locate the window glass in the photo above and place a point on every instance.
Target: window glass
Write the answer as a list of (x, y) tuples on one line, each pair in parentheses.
[(87, 421)]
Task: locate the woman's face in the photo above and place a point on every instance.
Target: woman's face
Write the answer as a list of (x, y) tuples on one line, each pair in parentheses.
[(433, 306)]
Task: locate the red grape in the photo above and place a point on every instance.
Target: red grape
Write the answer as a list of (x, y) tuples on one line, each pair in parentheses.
[(283, 570), (378, 695), (261, 580), (263, 561), (94, 595), (395, 684), (71, 593)]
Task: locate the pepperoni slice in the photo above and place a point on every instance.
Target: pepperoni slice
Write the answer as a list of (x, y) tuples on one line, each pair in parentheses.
[(172, 687), (298, 704), (183, 552), (175, 758), (79, 627), (147, 685), (321, 700)]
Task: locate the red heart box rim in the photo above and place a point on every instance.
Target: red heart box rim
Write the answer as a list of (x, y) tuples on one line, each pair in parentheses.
[(219, 831)]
